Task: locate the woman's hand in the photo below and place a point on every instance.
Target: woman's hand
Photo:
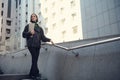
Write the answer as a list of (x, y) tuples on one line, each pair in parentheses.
[(52, 42), (32, 32)]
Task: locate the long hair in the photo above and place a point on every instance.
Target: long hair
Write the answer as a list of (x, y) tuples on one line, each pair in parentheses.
[(31, 17)]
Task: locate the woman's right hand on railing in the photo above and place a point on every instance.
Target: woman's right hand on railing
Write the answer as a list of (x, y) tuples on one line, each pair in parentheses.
[(52, 42)]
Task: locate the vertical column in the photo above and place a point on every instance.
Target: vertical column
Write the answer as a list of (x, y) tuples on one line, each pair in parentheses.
[(33, 6)]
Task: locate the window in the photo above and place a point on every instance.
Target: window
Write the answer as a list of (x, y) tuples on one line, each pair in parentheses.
[(19, 28), (16, 3), (26, 5), (1, 29), (26, 21), (53, 4), (2, 5), (46, 20), (72, 3), (39, 5), (15, 30), (19, 2), (73, 15), (61, 9), (46, 10), (0, 38), (53, 14), (8, 31), (1, 13), (26, 13), (9, 9), (75, 29), (19, 7), (63, 21), (19, 14), (8, 22), (54, 25), (1, 21), (8, 48)]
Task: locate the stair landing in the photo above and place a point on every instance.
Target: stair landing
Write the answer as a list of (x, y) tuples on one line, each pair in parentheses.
[(17, 77)]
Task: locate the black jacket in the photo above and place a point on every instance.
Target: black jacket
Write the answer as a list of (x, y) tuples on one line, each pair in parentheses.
[(34, 40)]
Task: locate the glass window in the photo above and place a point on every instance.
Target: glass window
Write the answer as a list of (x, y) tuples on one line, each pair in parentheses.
[(46, 10), (8, 31), (1, 13), (26, 13), (9, 9), (73, 15), (75, 29), (16, 3), (7, 47), (63, 21), (1, 21), (8, 23), (53, 14), (61, 9), (46, 20), (26, 5), (53, 4), (19, 2), (54, 25), (72, 3), (2, 5)]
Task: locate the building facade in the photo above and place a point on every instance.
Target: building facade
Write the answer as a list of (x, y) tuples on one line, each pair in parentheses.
[(7, 25), (62, 19), (100, 18), (15, 15)]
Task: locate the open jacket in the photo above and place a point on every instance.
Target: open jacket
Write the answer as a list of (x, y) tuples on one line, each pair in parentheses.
[(34, 40)]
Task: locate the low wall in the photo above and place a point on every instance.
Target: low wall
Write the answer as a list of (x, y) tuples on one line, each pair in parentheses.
[(99, 62)]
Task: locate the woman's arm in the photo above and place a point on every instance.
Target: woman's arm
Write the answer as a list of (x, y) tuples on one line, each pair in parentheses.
[(43, 37)]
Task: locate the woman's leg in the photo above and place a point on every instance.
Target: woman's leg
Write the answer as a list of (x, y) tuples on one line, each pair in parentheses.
[(34, 71)]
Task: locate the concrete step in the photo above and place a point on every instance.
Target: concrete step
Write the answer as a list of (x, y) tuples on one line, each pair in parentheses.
[(35, 79), (18, 77), (12, 76)]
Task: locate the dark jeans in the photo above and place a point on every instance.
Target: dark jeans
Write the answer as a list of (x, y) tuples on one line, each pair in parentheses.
[(34, 71)]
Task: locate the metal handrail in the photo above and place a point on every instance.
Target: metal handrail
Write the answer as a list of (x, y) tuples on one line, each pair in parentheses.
[(62, 47), (89, 44), (96, 43)]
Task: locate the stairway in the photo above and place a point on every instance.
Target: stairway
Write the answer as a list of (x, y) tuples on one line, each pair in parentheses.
[(17, 77)]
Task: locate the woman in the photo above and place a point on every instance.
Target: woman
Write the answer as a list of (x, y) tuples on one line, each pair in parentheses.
[(34, 34)]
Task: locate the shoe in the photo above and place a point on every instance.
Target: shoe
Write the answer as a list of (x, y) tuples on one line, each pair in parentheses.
[(32, 77), (38, 75), (38, 78)]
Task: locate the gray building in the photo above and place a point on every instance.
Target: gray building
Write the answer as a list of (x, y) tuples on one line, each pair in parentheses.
[(7, 25), (100, 18)]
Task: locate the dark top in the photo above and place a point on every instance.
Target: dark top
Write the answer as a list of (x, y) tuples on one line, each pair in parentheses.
[(34, 40)]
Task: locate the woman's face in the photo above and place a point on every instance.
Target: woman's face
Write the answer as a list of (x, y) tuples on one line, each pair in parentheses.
[(33, 17)]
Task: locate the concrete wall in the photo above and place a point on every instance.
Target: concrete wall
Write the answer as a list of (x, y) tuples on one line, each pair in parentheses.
[(100, 18), (100, 62)]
